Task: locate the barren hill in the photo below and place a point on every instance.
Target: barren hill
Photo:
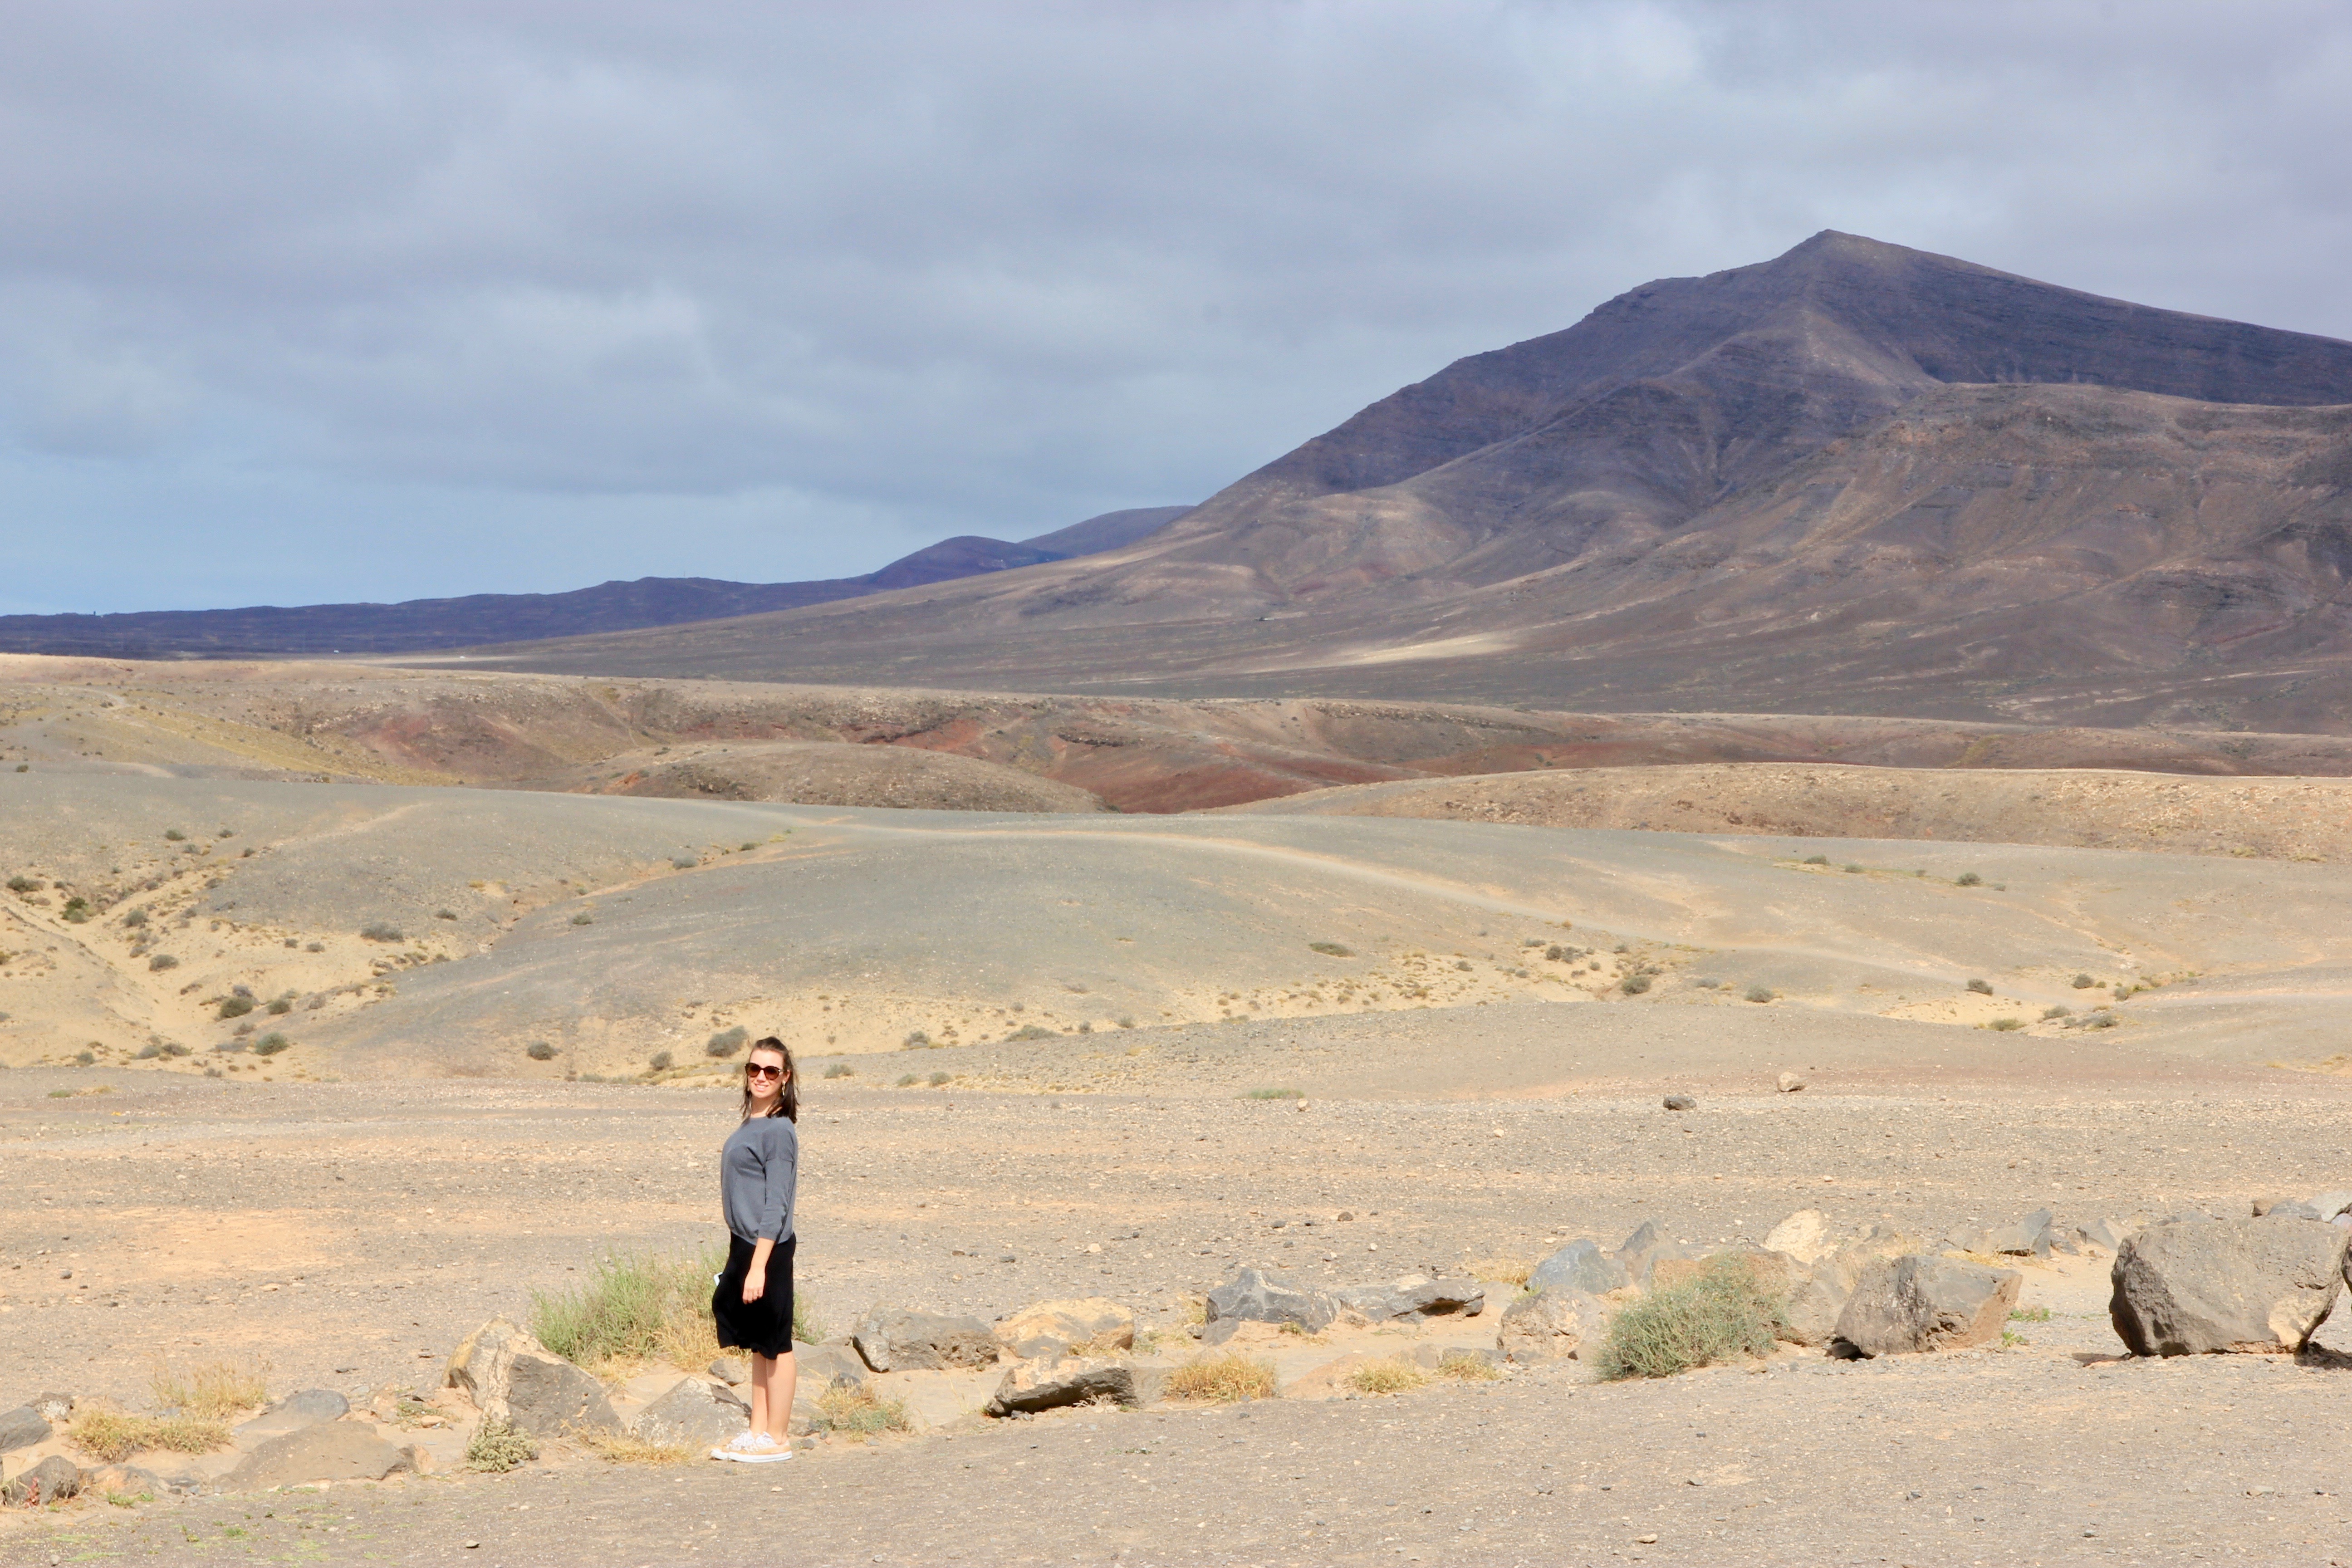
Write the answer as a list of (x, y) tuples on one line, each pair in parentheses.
[(1856, 478)]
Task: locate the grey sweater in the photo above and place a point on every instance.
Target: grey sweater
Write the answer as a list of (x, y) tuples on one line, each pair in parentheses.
[(758, 1170)]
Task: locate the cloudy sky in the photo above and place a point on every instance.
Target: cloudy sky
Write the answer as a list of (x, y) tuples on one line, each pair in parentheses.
[(385, 301)]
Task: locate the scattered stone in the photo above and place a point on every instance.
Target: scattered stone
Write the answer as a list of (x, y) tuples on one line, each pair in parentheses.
[(2328, 1206), (21, 1428), (53, 1407), (292, 1414), (1050, 1328), (731, 1370), (1255, 1295), (512, 1377), (1414, 1299), (329, 1451), (821, 1366), (1580, 1265), (1551, 1325), (692, 1415), (54, 1480), (923, 1342), (1048, 1385), (2255, 1285), (1803, 1235), (2285, 1208), (1681, 1102), (1789, 1083), (1918, 1303)]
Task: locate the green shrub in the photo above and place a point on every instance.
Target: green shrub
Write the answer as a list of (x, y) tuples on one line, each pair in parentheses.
[(727, 1042), (279, 1007), (659, 1061), (1720, 1315), (915, 1042), (229, 832), (1817, 860), (938, 1078), (2005, 1025), (236, 1006), (634, 1307), (1968, 879), (1330, 949), (583, 919), (23, 885), (270, 1044), (76, 911), (1031, 1032), (2056, 1012), (1633, 985), (147, 1053), (497, 1447), (540, 1051), (174, 835), (2100, 1020), (905, 1083), (445, 914), (2084, 983), (314, 947), (86, 1059), (382, 930), (1852, 867), (1759, 993), (161, 961), (135, 919), (841, 1070), (1981, 987)]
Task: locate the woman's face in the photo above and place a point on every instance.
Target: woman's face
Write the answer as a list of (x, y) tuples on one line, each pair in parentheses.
[(764, 1074)]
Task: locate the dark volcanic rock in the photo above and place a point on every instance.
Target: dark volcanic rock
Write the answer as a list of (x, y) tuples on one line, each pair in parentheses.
[(2226, 1285)]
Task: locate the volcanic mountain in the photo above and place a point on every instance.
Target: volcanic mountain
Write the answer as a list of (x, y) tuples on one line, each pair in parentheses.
[(1853, 478)]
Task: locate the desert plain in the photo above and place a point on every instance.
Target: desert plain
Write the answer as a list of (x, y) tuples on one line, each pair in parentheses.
[(1424, 1028)]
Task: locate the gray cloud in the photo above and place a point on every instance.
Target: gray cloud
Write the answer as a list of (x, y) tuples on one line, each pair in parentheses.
[(307, 302)]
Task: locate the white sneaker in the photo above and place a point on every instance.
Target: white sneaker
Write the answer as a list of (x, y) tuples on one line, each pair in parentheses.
[(742, 1442), (764, 1450)]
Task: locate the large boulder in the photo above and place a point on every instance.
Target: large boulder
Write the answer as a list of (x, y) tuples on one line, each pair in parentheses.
[(1050, 1328), (1033, 1386), (2226, 1285), (330, 1451), (1414, 1299), (1905, 1305), (1551, 1325), (1255, 1296), (292, 1414), (21, 1428), (923, 1342), (511, 1376), (692, 1415), (54, 1480), (1580, 1265)]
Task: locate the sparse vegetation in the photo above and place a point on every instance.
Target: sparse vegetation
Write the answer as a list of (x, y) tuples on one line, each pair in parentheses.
[(938, 1078), (1853, 867), (1817, 860), (659, 1061), (2084, 983), (620, 1448), (1759, 993), (236, 1006), (497, 1447), (112, 1436), (1505, 1270), (2006, 1024), (1968, 879), (23, 885), (1031, 1032), (2029, 1314), (175, 836), (1330, 949), (279, 1007), (382, 930), (1226, 1379), (1464, 1367), (858, 1410), (2056, 1011), (727, 1042), (905, 1082), (314, 947), (1386, 1377), (633, 1308), (2102, 1019), (1635, 984), (683, 863), (540, 1051), (583, 919), (161, 961), (445, 914), (1274, 1094), (915, 1041), (135, 919), (215, 1390), (1720, 1315), (76, 911), (1981, 987), (270, 1044), (841, 1070)]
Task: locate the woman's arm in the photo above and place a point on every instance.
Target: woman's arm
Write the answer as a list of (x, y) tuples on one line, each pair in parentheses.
[(755, 1278)]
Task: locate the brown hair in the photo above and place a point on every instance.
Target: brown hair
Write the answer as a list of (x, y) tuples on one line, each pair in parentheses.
[(788, 1092)]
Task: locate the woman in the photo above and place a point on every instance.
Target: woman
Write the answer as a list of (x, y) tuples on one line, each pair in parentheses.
[(753, 1303)]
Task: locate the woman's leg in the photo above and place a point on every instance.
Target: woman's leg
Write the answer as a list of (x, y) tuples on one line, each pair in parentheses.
[(772, 1382)]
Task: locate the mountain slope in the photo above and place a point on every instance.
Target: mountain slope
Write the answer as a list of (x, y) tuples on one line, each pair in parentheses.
[(1855, 479)]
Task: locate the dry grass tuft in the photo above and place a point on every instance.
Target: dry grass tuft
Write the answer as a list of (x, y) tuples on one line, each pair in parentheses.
[(622, 1449), (1509, 1270), (1717, 1317), (846, 1407), (1463, 1367), (1386, 1377), (215, 1389), (1223, 1380), (113, 1436), (633, 1309)]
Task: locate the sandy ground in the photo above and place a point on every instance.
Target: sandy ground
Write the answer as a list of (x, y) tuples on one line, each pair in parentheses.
[(351, 1233)]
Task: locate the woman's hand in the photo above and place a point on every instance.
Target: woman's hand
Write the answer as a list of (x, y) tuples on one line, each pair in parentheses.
[(755, 1285)]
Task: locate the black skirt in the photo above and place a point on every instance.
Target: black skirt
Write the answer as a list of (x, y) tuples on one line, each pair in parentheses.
[(763, 1327)]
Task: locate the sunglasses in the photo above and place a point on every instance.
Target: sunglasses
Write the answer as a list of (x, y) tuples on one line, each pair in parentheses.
[(761, 1069)]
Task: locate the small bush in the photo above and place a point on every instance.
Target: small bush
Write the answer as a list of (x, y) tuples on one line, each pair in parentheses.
[(1633, 985), (86, 1059), (1226, 1379), (1276, 1094), (2056, 1012), (659, 1061), (76, 911), (279, 1007), (683, 863), (807, 1329), (23, 885), (2100, 1021), (1464, 1367), (1759, 993), (216, 1389), (540, 1051), (727, 1042), (161, 961), (229, 832), (841, 1070), (445, 914), (147, 1053), (135, 919), (2084, 983), (175, 836), (1968, 879), (270, 1044), (858, 1410), (497, 1447), (1330, 949), (1714, 1317), (382, 930), (1817, 860), (112, 1436), (905, 1082), (915, 1042), (1981, 987), (2005, 1025), (236, 1006), (314, 947), (583, 919), (633, 1308), (1386, 1377), (937, 1079), (1853, 868), (1031, 1032)]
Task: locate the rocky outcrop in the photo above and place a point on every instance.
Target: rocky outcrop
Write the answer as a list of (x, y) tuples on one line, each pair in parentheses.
[(1907, 1305), (2226, 1285), (923, 1342), (1033, 1386), (511, 1376), (329, 1451), (1256, 1296)]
